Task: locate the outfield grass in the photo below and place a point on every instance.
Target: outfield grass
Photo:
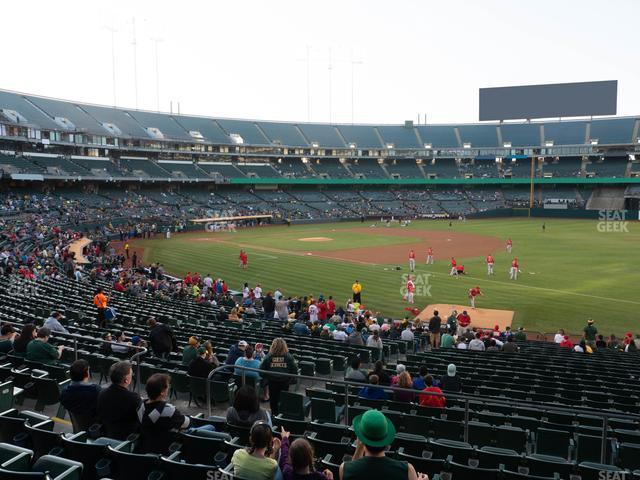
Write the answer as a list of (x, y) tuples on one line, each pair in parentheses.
[(570, 272)]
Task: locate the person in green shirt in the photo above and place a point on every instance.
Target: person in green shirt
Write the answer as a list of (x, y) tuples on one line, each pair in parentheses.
[(590, 332), (520, 335), (446, 340), (259, 460), (40, 350), (452, 322), (190, 352), (7, 335), (278, 360)]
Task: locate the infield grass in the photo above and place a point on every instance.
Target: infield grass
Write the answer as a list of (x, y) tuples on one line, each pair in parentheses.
[(570, 272)]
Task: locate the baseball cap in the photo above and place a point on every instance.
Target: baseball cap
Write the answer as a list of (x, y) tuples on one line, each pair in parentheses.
[(242, 343)]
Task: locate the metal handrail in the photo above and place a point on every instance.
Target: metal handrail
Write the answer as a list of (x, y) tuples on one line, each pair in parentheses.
[(466, 398)]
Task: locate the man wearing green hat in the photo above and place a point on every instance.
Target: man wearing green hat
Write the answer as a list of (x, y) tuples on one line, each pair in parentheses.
[(375, 432)]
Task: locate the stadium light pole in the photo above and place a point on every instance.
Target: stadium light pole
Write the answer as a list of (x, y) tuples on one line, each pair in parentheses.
[(353, 64), (157, 40), (134, 43), (113, 31)]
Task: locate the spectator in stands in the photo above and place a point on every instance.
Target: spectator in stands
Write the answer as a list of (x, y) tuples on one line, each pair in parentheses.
[(100, 300), (246, 410), (493, 346), (435, 324), (373, 391), (105, 348), (210, 355), (121, 347), (477, 343), (258, 461), (278, 360), (199, 366), (400, 368), (190, 352), (418, 382), (433, 401), (80, 397), (339, 334), (447, 340), (7, 336), (590, 332), (583, 347), (282, 309), (117, 406), (375, 433), (355, 335), (407, 334), (559, 336), (27, 334), (464, 320), (161, 338), (510, 346), (247, 361), (383, 377), (375, 341), (298, 461), (41, 351), (268, 306), (613, 343), (53, 323), (159, 419), (451, 382), (404, 381), (636, 341), (600, 342), (236, 352), (461, 343), (566, 342), (354, 373), (301, 328), (520, 335)]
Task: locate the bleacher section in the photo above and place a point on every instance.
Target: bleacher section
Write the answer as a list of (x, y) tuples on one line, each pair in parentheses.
[(142, 167), (403, 168), (441, 168), (367, 167), (563, 167), (611, 167), (331, 167)]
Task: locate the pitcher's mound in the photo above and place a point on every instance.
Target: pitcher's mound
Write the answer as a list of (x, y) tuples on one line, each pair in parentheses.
[(315, 239)]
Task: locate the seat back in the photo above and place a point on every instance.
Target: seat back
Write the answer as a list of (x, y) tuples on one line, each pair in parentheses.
[(132, 466), (42, 437), (323, 410), (292, 405), (552, 442)]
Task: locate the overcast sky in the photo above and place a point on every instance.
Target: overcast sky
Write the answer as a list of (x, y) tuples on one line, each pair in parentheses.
[(248, 58)]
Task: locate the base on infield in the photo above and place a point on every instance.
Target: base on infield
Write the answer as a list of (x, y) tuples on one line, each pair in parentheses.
[(480, 317)]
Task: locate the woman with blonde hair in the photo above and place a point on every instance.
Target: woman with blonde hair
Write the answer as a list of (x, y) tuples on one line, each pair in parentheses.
[(278, 360), (210, 356), (404, 381)]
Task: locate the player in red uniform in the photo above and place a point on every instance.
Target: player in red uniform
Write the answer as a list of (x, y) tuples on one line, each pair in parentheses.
[(454, 264), (411, 288), (509, 245), (244, 260), (473, 293), (412, 261), (515, 269), (429, 256), (490, 263)]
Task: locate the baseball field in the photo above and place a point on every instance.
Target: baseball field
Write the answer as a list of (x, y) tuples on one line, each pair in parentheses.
[(570, 271)]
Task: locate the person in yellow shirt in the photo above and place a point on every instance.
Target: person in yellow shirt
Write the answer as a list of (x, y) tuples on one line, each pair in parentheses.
[(356, 288)]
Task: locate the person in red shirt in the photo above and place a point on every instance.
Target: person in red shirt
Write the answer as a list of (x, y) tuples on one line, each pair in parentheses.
[(433, 401), (429, 256), (473, 293), (566, 342), (490, 263), (412, 261), (454, 264), (243, 259), (322, 310), (514, 270), (331, 306), (187, 279), (509, 245), (464, 320)]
